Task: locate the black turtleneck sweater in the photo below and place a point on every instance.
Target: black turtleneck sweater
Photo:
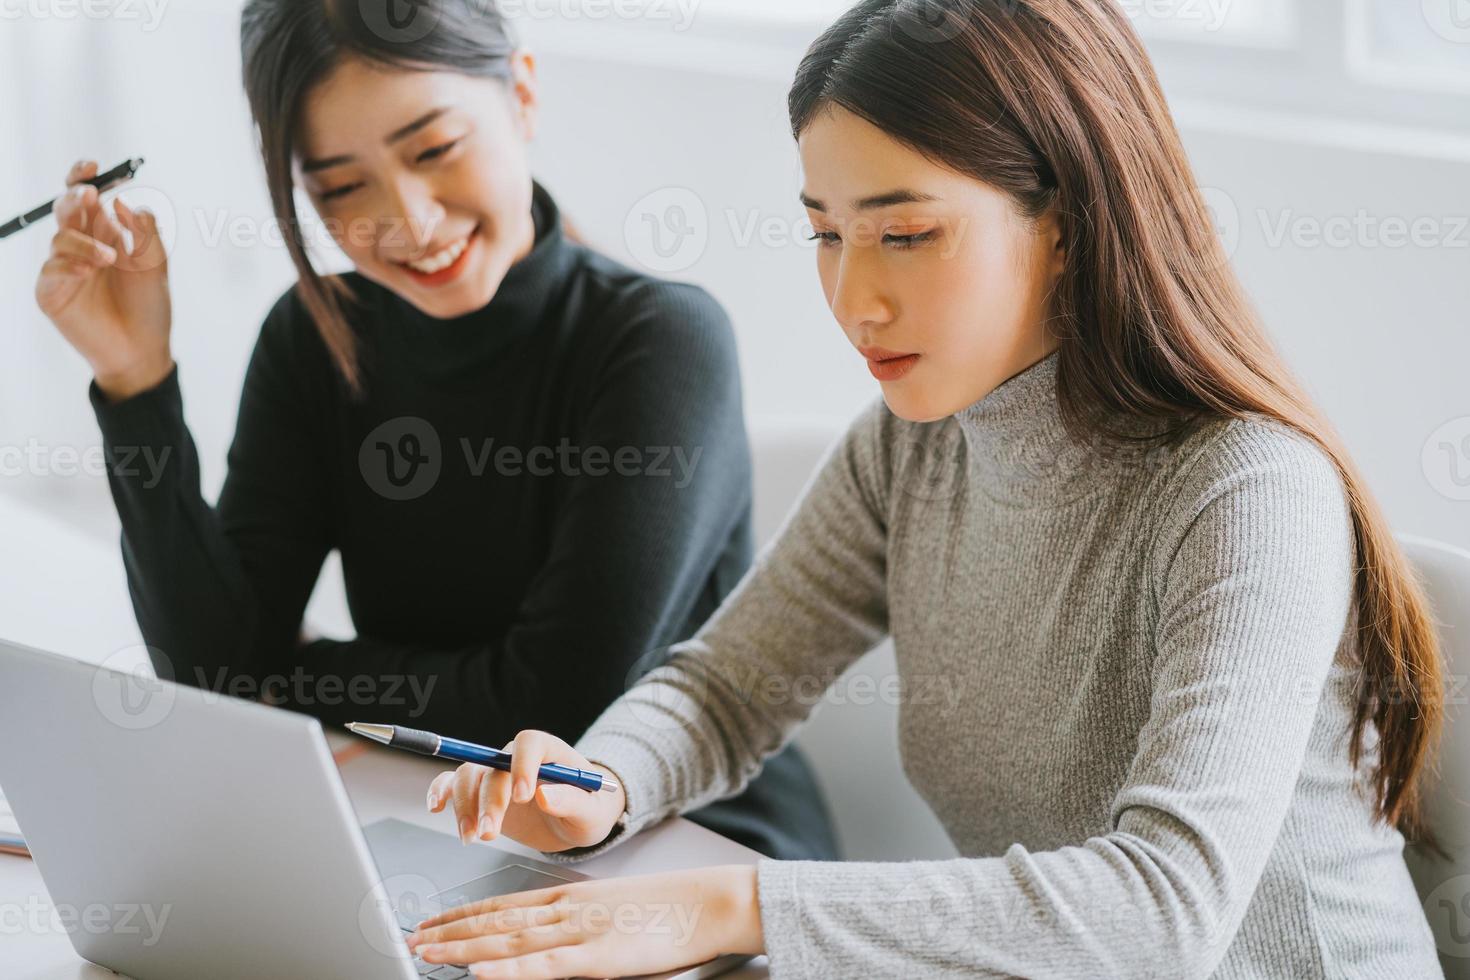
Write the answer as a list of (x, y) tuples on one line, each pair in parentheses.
[(531, 503)]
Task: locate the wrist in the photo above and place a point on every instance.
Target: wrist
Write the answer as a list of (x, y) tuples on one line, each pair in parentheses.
[(618, 801), (738, 911), (118, 383)]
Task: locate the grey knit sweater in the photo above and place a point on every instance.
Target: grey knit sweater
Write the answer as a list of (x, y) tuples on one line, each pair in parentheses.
[(1143, 760)]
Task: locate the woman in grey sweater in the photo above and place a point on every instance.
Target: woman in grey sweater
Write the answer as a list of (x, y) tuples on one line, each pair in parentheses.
[(1196, 682)]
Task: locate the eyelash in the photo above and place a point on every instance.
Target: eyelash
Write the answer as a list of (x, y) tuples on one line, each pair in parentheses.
[(432, 153), (897, 241)]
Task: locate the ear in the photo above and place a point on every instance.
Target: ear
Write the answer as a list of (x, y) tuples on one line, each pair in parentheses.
[(525, 95), (1056, 241)]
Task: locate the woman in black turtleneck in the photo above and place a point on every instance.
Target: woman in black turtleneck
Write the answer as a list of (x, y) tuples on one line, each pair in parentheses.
[(532, 462)]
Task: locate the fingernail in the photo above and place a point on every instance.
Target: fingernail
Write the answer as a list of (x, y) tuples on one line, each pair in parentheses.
[(433, 801), (523, 791), (464, 830), (485, 826)]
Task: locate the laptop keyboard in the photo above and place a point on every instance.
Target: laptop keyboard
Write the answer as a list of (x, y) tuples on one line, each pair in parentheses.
[(437, 971)]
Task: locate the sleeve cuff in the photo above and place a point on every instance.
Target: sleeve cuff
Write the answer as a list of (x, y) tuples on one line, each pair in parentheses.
[(638, 774), (777, 890), (140, 418)]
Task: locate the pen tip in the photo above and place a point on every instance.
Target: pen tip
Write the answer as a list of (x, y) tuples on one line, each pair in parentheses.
[(378, 733)]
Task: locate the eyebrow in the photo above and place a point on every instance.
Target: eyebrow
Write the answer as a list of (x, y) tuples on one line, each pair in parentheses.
[(312, 166), (887, 199)]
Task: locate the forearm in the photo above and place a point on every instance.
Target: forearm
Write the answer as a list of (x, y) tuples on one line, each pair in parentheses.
[(699, 728), (217, 592), (194, 611)]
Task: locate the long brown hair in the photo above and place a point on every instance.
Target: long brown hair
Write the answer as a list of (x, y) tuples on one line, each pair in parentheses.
[(1056, 103), (287, 47)]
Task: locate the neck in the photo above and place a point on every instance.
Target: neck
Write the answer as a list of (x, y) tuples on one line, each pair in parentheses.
[(463, 345), (1019, 449)]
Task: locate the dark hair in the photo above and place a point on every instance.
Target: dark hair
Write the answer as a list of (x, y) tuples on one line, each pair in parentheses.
[(289, 46), (1057, 105)]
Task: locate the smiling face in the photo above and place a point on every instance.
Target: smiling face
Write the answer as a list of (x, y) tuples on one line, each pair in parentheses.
[(934, 277), (422, 178)]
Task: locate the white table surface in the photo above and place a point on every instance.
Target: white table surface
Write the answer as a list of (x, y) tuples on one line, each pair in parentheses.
[(64, 591)]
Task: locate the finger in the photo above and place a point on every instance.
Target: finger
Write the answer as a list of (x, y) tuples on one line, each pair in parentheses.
[(73, 244), (547, 964), (494, 798), (466, 797), (522, 942), (106, 228), (489, 906), (81, 170), (138, 225), (529, 753), (497, 921), (562, 801), (148, 249), (80, 208), (440, 790), (71, 208), (61, 267)]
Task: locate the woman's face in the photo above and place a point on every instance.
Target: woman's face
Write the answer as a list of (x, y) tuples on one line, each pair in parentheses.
[(425, 169), (934, 278)]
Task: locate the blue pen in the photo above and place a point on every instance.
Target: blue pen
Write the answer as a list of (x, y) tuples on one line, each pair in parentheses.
[(427, 743)]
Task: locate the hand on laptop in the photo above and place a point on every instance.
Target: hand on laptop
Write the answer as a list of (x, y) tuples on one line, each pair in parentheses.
[(612, 927), (488, 803)]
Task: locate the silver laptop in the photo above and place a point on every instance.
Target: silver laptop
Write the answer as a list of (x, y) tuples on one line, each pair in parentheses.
[(187, 834)]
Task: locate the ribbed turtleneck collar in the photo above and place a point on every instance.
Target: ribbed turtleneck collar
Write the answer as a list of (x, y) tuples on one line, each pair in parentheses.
[(521, 304), (1019, 450)]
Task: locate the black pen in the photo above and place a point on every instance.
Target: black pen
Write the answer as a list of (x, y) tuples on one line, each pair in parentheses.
[(123, 171)]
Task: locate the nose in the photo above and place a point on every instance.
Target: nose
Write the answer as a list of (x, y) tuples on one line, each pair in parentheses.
[(859, 299), (412, 217)]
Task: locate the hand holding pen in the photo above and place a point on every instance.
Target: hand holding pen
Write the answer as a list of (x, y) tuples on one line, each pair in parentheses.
[(577, 803), (109, 297)]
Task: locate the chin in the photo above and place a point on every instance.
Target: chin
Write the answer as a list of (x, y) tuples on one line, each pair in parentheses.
[(912, 406)]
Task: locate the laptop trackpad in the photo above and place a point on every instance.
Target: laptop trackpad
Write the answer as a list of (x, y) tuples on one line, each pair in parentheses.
[(507, 880), (426, 872)]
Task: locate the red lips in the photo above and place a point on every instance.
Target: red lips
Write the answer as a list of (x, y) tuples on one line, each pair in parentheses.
[(888, 365)]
